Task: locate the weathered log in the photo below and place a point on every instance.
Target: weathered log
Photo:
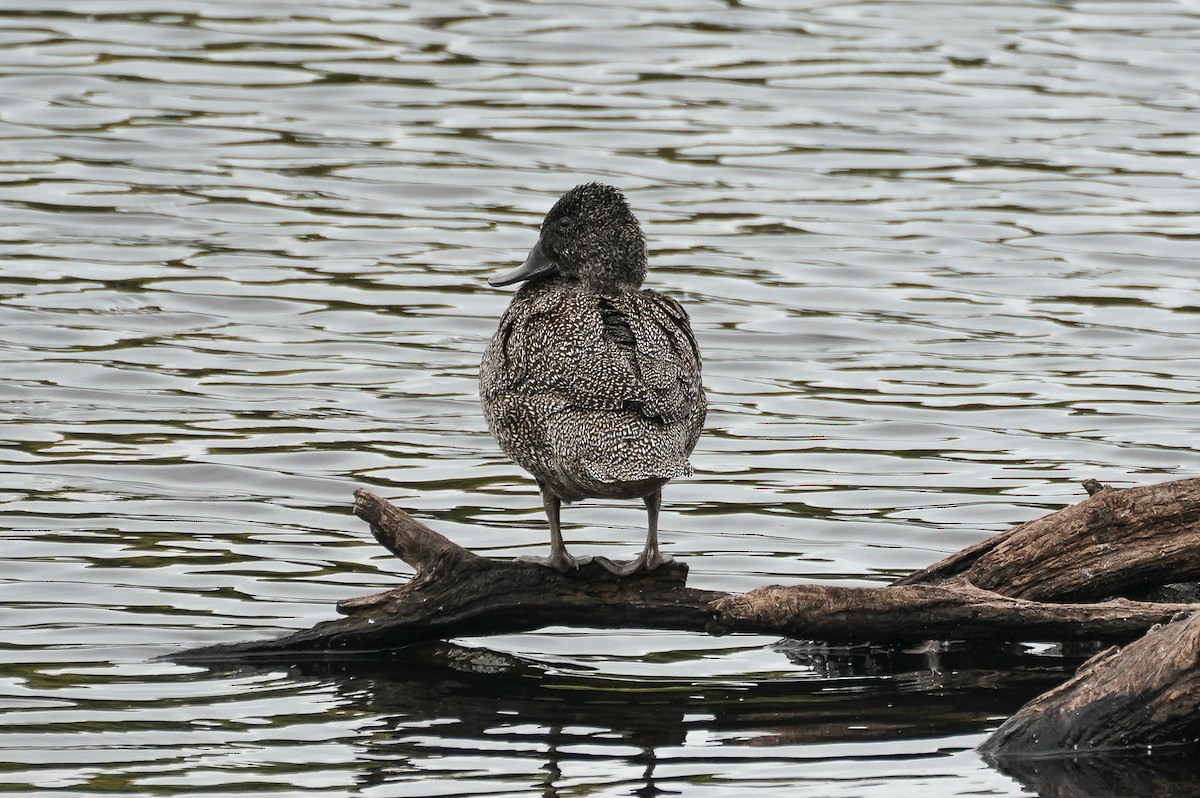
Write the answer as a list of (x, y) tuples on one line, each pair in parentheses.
[(1113, 543), (922, 612), (1142, 696), (456, 593)]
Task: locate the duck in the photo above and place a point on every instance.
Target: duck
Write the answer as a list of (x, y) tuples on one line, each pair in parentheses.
[(591, 383)]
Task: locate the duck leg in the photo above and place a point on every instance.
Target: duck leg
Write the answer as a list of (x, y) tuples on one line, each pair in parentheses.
[(559, 560), (651, 557)]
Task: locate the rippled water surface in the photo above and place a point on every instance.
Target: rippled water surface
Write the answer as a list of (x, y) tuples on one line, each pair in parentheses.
[(940, 258)]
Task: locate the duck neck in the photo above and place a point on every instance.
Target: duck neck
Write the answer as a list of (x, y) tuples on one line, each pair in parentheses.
[(614, 276)]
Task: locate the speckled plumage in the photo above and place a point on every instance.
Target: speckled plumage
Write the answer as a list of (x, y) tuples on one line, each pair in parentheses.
[(591, 383)]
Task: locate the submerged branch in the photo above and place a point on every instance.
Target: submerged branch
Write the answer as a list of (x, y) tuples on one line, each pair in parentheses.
[(1141, 696)]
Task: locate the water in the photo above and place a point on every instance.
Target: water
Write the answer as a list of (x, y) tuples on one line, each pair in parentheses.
[(939, 258)]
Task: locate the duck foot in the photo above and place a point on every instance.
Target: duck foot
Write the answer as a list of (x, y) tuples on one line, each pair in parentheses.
[(644, 562), (562, 564)]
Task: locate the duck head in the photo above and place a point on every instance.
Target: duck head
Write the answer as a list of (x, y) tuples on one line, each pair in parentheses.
[(590, 237)]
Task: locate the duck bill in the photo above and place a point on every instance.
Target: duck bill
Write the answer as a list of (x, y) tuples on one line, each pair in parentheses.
[(536, 265)]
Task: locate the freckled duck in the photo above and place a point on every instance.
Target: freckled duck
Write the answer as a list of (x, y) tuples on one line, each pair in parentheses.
[(592, 383)]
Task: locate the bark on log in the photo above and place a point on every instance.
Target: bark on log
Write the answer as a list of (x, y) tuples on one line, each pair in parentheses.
[(1111, 544), (921, 612)]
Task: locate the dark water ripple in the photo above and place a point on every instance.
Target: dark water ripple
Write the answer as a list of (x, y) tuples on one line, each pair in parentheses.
[(940, 258)]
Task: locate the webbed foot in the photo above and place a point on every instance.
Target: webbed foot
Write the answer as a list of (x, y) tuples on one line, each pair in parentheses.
[(644, 562), (560, 561)]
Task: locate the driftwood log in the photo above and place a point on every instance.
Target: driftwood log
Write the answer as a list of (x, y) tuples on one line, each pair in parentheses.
[(1117, 542), (1065, 576)]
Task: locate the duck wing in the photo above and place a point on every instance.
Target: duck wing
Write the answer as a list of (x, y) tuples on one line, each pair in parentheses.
[(653, 335), (553, 342)]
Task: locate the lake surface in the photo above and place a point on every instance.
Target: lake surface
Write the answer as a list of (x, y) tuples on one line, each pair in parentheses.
[(940, 259)]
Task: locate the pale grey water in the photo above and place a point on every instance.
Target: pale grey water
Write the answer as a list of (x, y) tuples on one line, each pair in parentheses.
[(940, 258)]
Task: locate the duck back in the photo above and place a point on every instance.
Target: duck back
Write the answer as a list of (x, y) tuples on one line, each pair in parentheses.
[(595, 394)]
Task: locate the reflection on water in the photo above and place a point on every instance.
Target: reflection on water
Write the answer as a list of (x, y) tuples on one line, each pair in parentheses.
[(1163, 774), (493, 722), (939, 257)]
